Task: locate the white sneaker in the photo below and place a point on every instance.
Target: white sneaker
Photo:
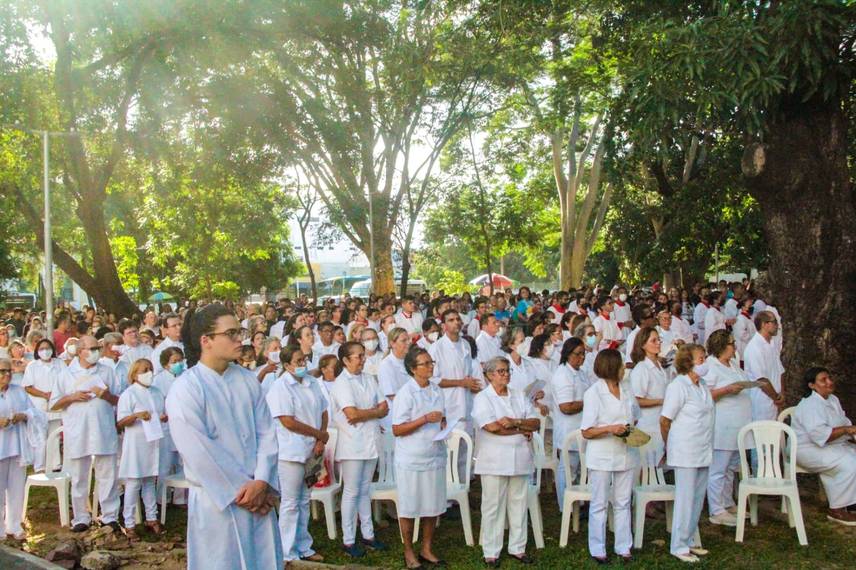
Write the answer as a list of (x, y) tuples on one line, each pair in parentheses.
[(733, 511), (699, 551), (690, 558), (724, 518)]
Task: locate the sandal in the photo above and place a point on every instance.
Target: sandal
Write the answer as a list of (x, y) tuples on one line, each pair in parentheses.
[(155, 526)]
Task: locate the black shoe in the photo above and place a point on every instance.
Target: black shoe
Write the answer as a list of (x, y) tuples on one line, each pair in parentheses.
[(491, 563), (600, 559), (439, 563), (626, 558), (374, 544), (523, 559), (354, 550), (114, 525), (80, 527)]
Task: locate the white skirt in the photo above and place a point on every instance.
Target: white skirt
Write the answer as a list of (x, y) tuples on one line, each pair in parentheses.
[(420, 493)]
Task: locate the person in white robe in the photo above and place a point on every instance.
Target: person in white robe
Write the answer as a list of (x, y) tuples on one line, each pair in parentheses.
[(369, 340), (85, 393), (733, 410), (134, 348), (358, 406), (540, 364), (392, 375), (22, 426), (744, 327), (609, 335), (420, 461), (506, 420), (326, 344), (142, 415), (568, 386), (761, 362), (699, 315), (826, 444), (222, 428), (409, 318), (300, 411), (513, 344), (648, 380), (171, 332), (268, 373), (608, 409), (174, 365), (111, 358), (714, 319), (39, 378), (488, 340), (453, 371), (686, 424), (680, 327)]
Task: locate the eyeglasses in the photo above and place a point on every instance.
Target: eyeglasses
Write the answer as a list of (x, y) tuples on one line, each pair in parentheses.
[(234, 334), (503, 371), (578, 353), (425, 363), (5, 371)]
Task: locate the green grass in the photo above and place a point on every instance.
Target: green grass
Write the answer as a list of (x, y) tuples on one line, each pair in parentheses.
[(772, 544)]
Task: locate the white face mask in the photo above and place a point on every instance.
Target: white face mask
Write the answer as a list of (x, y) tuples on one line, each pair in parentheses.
[(433, 336), (45, 354), (622, 297), (93, 357), (548, 350), (520, 349), (371, 345), (274, 357), (145, 379), (701, 369), (71, 349)]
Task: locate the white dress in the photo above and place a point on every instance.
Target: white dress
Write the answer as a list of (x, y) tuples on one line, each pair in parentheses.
[(813, 421), (761, 360), (225, 434), (732, 411), (649, 380), (140, 457)]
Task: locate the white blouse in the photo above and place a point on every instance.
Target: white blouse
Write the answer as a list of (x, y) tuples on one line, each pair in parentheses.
[(601, 408), (505, 455), (733, 411), (357, 441), (649, 381), (690, 407), (303, 401), (418, 451)]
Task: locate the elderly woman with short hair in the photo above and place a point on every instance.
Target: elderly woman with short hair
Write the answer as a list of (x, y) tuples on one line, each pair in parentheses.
[(506, 420)]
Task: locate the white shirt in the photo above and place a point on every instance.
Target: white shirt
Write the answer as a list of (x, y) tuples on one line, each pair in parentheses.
[(628, 345), (601, 408), (277, 330), (474, 327), (732, 411), (121, 370), (609, 329), (681, 329), (731, 309), (453, 361), (305, 402), (743, 331), (165, 343), (506, 455), (41, 375), (412, 324), (649, 381), (392, 376), (488, 346), (134, 353), (520, 374), (761, 360), (89, 428), (622, 314), (12, 401), (140, 458), (699, 314), (372, 364), (320, 350), (567, 385), (690, 407), (356, 441), (815, 417), (714, 321), (418, 451)]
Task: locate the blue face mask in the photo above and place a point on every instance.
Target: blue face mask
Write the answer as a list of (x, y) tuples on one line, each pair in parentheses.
[(177, 368), (591, 340), (300, 371)]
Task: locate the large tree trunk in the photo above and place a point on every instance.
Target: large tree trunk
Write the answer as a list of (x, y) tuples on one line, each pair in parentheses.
[(308, 263), (800, 178), (383, 276)]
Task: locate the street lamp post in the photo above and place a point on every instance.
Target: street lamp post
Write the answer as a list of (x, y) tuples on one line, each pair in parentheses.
[(49, 300)]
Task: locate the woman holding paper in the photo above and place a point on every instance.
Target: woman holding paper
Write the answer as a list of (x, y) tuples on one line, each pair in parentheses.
[(608, 408), (686, 424), (648, 380), (505, 419), (733, 410), (140, 413), (420, 460)]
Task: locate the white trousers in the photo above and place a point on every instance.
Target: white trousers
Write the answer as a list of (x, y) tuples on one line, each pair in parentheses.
[(560, 475), (294, 512), (105, 480), (13, 477), (690, 486), (356, 499), (504, 498), (133, 488), (622, 492), (720, 484)]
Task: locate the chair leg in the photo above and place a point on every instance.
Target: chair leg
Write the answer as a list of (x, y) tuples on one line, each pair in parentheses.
[(464, 503), (163, 504), (796, 509), (27, 500), (376, 511), (330, 516), (537, 521), (576, 514), (670, 507), (63, 492), (741, 516), (416, 524), (313, 509), (639, 523), (566, 522), (753, 510)]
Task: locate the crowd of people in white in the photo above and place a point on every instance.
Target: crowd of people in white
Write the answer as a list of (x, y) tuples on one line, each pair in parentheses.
[(241, 400)]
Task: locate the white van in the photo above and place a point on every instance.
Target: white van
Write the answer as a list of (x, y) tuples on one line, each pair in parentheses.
[(363, 288)]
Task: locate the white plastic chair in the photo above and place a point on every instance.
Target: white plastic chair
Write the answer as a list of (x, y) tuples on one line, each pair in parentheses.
[(771, 438), (457, 487), (651, 488), (327, 495), (533, 501), (384, 488), (574, 494), (543, 460), (176, 481), (59, 480)]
